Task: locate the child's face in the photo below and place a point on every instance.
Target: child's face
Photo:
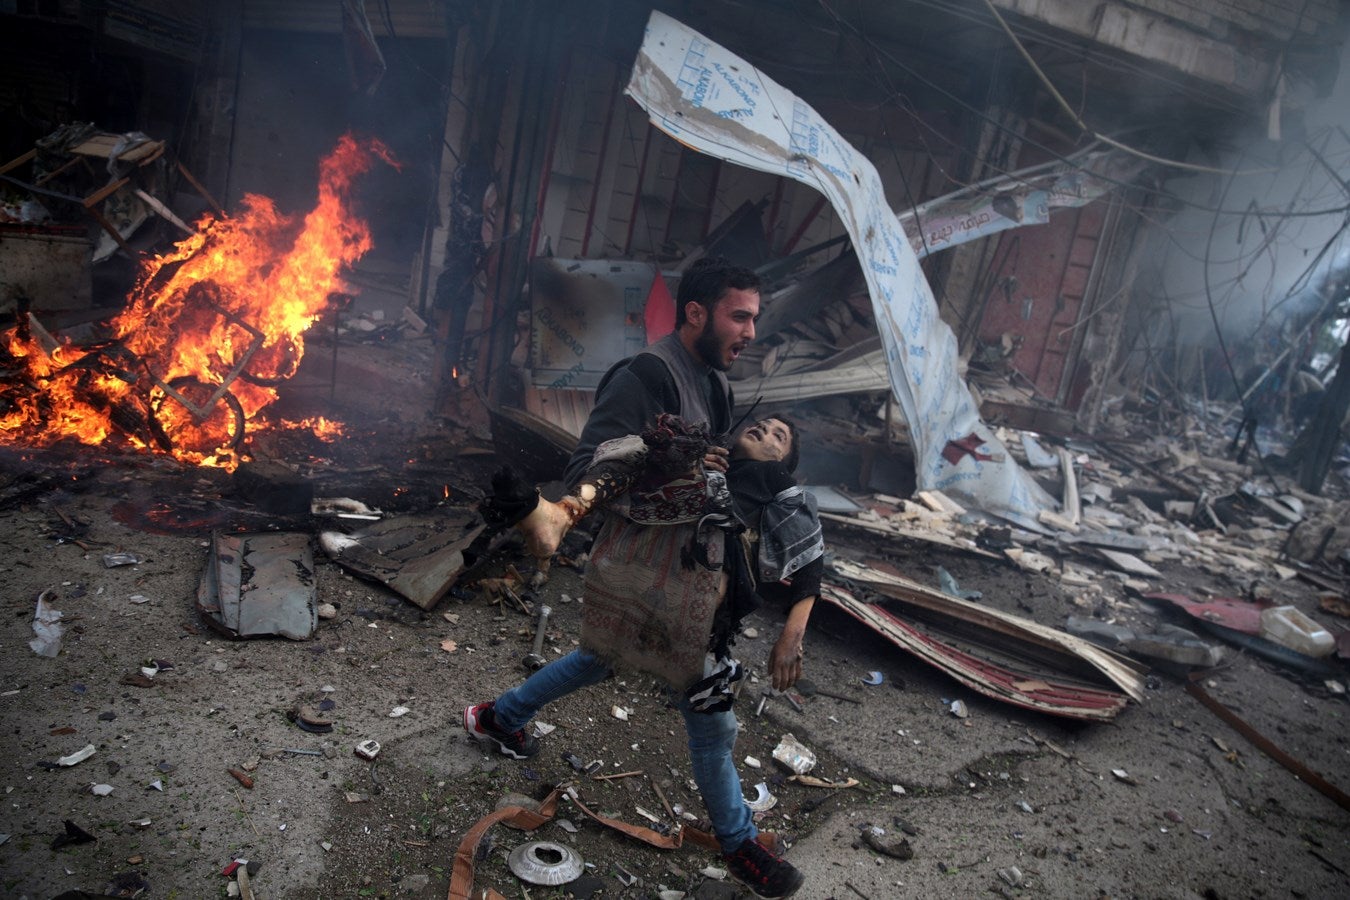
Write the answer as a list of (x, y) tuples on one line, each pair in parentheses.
[(768, 440)]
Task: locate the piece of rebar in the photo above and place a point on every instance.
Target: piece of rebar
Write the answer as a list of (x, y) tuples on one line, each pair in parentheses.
[(535, 659)]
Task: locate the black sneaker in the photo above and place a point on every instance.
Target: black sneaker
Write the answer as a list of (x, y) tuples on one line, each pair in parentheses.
[(763, 872), (482, 726)]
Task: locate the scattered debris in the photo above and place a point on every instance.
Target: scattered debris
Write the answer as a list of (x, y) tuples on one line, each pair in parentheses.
[(344, 508), (1288, 627), (78, 756), (1269, 747), (534, 660), (257, 585), (545, 862), (813, 781), (1052, 650), (1166, 642), (808, 688), (794, 755), (948, 585), (873, 679), (113, 560), (47, 627), (242, 777), (314, 718), (420, 557), (896, 849), (399, 712), (764, 801), (73, 834), (100, 790), (367, 749)]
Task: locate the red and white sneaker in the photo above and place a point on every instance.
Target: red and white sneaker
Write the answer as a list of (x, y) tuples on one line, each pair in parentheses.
[(481, 725)]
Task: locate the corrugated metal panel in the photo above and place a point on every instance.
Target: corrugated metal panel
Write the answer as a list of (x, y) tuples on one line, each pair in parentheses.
[(410, 18)]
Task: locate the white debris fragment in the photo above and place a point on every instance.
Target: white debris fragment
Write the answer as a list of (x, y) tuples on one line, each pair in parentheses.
[(619, 713), (100, 790), (48, 629), (78, 756), (399, 712)]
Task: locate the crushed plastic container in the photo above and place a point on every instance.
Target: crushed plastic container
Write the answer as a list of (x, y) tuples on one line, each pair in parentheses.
[(1290, 628)]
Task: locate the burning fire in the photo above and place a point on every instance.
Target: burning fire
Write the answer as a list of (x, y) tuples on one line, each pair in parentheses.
[(208, 333), (322, 427)]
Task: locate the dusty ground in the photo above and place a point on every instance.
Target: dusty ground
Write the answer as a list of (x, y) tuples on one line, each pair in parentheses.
[(1203, 814)]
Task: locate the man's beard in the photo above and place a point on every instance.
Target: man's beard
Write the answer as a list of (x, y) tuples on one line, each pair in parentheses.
[(709, 350)]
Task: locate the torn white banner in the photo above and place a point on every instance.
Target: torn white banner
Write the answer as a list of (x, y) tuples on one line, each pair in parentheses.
[(708, 98)]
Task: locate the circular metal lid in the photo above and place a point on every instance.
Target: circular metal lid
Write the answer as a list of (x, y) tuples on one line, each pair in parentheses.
[(545, 862)]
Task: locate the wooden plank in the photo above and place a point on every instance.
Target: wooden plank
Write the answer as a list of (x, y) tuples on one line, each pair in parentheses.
[(101, 146)]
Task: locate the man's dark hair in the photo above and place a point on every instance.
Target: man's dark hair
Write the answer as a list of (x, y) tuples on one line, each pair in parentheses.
[(707, 280)]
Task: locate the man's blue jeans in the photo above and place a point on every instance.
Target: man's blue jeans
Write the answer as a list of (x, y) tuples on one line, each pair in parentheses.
[(712, 737)]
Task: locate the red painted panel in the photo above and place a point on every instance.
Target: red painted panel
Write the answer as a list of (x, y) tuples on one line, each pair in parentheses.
[(1051, 265)]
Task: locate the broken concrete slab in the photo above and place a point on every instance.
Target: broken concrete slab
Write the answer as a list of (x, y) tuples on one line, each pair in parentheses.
[(1129, 563), (260, 585), (420, 557)]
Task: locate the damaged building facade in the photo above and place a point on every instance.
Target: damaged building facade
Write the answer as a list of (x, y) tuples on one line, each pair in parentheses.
[(1028, 265), (1035, 154)]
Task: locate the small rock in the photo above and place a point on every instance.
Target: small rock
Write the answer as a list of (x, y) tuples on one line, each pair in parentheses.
[(751, 633), (327, 611), (413, 884), (900, 849)]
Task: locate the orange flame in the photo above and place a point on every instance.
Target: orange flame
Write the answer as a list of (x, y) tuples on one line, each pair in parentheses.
[(208, 333), (322, 427)]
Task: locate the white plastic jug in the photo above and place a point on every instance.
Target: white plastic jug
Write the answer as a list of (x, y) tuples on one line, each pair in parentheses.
[(1290, 628)]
